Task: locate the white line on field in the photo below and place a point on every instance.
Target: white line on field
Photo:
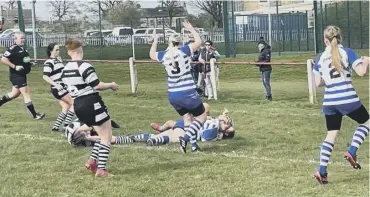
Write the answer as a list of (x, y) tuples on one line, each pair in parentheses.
[(232, 154)]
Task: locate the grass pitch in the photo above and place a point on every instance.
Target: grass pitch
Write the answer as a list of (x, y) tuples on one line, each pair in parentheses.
[(274, 153)]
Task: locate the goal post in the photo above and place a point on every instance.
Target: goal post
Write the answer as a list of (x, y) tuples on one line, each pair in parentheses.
[(215, 72), (133, 76), (311, 82)]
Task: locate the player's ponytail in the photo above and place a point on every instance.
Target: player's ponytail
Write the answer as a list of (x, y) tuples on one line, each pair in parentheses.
[(173, 43), (333, 34)]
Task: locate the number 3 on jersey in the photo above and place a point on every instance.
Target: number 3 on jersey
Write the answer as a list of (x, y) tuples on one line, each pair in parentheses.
[(176, 68)]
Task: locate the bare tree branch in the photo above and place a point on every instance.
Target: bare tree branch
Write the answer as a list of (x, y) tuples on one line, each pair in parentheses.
[(11, 4), (105, 6), (214, 8), (173, 8)]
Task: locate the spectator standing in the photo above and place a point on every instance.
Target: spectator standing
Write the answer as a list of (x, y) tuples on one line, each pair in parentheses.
[(265, 69), (206, 55)]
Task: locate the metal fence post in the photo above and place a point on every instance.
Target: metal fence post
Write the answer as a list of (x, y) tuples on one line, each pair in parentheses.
[(348, 26)]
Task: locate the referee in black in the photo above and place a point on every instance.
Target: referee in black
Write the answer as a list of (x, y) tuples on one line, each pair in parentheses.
[(18, 60)]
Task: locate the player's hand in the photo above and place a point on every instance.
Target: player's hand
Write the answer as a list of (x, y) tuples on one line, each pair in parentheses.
[(114, 86), (18, 68), (59, 87), (155, 36), (187, 25)]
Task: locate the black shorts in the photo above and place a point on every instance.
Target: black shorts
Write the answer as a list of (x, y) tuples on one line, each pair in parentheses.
[(334, 122), (91, 110), (18, 81), (58, 94)]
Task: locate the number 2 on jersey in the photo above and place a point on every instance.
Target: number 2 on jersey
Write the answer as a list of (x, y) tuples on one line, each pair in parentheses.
[(176, 68)]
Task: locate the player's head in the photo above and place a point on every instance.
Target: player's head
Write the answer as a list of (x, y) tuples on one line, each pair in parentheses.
[(19, 38), (333, 37), (207, 108), (225, 117), (208, 44), (52, 50), (226, 125), (174, 41), (74, 48)]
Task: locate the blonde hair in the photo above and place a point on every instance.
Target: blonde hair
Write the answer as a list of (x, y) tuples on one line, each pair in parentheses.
[(225, 116), (334, 35), (172, 49)]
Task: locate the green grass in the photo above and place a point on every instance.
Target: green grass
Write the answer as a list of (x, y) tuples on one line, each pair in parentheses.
[(274, 153)]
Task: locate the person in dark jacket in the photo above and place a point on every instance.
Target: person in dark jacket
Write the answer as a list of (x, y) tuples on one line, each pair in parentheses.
[(265, 56), (206, 55)]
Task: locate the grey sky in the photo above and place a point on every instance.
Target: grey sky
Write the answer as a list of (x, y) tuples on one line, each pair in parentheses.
[(43, 10)]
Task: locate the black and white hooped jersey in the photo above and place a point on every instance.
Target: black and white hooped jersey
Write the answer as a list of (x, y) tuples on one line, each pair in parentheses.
[(338, 86), (80, 78), (53, 68), (179, 75)]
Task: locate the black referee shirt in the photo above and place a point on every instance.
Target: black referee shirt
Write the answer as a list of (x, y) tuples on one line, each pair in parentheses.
[(18, 55)]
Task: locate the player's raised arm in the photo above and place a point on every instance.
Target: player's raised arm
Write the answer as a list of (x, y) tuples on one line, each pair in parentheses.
[(153, 49), (197, 40)]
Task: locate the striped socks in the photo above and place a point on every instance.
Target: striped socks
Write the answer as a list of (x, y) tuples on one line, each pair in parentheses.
[(142, 137), (326, 149), (192, 132), (68, 119), (95, 151), (59, 120), (159, 140), (103, 156), (358, 138), (123, 140)]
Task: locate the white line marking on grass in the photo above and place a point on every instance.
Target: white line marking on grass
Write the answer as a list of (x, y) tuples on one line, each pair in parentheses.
[(232, 154)]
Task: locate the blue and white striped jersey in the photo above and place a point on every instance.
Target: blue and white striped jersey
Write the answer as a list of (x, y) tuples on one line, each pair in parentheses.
[(178, 69), (338, 86), (210, 130)]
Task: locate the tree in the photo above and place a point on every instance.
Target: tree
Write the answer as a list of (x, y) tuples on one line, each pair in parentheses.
[(105, 6), (64, 10), (11, 4), (173, 8), (125, 13), (214, 8)]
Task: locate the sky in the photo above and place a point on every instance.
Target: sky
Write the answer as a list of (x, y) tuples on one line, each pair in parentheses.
[(43, 10)]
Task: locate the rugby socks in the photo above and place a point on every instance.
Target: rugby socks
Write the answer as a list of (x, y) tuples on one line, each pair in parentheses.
[(59, 120), (142, 137), (103, 156), (95, 151), (5, 99), (123, 140), (68, 119), (358, 138), (31, 108), (192, 132), (160, 140), (326, 149)]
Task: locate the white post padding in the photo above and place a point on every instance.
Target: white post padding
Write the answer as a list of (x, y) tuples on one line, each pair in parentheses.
[(133, 76), (311, 82), (214, 80)]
